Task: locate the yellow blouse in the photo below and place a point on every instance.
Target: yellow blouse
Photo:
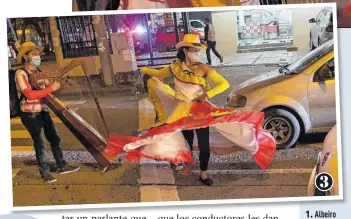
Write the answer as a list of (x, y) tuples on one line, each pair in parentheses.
[(221, 84)]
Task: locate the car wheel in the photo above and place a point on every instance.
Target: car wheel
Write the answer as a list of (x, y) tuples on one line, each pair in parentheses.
[(284, 127), (312, 47), (162, 47)]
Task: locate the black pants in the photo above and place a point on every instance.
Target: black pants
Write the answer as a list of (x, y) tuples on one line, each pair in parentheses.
[(211, 45), (41, 126), (203, 137)]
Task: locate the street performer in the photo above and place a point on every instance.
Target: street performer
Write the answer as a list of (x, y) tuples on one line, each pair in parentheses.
[(34, 113), (186, 108)]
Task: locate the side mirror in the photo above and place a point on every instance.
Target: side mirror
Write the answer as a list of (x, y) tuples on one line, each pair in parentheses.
[(312, 20), (329, 28)]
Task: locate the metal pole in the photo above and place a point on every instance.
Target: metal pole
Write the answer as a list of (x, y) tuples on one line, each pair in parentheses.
[(14, 35), (185, 16), (103, 49), (148, 39), (176, 26)]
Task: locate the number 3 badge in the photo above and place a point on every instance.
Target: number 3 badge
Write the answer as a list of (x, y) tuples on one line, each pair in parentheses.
[(324, 182)]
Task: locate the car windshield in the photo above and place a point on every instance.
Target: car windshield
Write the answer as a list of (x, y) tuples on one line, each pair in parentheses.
[(196, 24), (306, 61)]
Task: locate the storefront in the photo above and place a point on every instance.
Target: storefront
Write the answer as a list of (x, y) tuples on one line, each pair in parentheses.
[(264, 26)]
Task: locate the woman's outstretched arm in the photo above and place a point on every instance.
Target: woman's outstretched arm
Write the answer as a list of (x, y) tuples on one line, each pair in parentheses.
[(221, 84), (159, 73)]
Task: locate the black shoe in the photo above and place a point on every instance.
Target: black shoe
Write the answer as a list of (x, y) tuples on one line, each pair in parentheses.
[(47, 177), (207, 181), (68, 169), (210, 64), (221, 59)]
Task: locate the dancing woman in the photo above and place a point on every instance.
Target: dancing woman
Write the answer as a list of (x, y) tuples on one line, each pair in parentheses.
[(186, 108)]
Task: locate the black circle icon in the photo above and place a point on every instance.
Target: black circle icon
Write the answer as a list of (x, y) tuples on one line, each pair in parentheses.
[(324, 182)]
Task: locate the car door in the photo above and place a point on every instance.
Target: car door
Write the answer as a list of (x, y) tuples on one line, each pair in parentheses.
[(159, 38), (321, 96), (170, 38)]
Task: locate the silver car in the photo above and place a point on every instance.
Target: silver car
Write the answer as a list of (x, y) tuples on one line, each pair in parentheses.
[(322, 28), (296, 99)]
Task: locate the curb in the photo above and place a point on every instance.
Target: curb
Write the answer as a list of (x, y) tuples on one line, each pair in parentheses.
[(237, 157), (97, 91), (250, 65)]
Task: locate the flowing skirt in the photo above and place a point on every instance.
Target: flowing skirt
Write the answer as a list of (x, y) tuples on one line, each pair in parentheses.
[(165, 141)]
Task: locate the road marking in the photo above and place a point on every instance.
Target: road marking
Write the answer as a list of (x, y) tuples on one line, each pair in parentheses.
[(253, 172), (20, 134), (74, 102), (15, 171), (149, 172), (158, 193), (150, 193), (23, 154), (22, 148), (146, 114), (17, 121)]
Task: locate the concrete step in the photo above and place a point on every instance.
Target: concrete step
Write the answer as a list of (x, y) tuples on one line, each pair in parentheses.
[(262, 49), (265, 45)]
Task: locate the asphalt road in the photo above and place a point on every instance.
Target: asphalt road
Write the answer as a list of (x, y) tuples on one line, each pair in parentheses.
[(235, 176), (156, 182)]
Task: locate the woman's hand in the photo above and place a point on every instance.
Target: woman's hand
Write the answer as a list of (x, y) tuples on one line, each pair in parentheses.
[(144, 69), (202, 98)]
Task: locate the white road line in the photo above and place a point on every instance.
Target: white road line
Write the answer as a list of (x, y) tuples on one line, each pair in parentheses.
[(74, 102), (22, 154)]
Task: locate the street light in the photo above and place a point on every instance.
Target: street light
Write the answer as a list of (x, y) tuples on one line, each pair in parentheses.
[(139, 29)]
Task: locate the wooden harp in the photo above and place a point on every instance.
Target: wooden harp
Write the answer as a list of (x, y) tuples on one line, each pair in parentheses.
[(89, 137)]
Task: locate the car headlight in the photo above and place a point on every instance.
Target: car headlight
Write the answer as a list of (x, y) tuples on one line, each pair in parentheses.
[(236, 101)]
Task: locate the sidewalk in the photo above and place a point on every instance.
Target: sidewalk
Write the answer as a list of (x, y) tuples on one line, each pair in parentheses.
[(250, 59)]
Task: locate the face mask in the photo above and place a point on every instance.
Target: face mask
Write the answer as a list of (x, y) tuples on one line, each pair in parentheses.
[(35, 61), (194, 56)]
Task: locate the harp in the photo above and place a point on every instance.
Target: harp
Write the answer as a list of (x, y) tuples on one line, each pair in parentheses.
[(89, 137)]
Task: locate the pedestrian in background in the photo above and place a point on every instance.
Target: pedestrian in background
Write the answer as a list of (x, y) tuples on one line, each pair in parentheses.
[(210, 38)]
